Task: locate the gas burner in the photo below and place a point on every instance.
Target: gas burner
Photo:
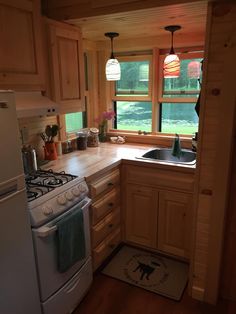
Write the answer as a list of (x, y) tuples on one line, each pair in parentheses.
[(42, 182), (53, 182)]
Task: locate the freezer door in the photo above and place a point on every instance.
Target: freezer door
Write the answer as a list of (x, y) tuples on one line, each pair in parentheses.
[(18, 281), (10, 145)]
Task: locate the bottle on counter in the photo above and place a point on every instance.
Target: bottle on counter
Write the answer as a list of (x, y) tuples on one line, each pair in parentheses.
[(81, 140), (93, 139)]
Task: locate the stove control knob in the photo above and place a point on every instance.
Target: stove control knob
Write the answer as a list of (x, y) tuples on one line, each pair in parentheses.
[(82, 187), (69, 196), (47, 210), (76, 191), (61, 200)]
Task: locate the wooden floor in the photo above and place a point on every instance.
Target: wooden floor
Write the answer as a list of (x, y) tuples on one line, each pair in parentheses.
[(111, 296)]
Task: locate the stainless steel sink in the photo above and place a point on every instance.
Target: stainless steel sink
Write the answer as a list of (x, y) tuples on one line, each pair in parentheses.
[(165, 154)]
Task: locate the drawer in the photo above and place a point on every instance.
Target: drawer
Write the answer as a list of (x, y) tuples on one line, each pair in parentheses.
[(106, 226), (105, 205), (104, 249), (160, 178), (105, 183)]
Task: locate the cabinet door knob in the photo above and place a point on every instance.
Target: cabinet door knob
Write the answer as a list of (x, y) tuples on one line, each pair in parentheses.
[(110, 204), (110, 184), (110, 225)]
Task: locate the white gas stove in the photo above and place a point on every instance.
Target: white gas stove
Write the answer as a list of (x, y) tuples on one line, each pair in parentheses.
[(51, 193)]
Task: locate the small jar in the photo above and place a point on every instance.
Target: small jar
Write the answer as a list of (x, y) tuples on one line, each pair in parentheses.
[(81, 140), (93, 138)]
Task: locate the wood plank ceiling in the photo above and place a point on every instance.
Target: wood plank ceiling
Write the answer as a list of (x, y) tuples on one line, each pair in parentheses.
[(147, 22)]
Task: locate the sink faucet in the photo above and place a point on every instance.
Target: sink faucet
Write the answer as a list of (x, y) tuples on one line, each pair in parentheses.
[(176, 147)]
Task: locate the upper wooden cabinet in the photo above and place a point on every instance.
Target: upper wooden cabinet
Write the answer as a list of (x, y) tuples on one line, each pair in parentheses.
[(66, 64), (21, 62)]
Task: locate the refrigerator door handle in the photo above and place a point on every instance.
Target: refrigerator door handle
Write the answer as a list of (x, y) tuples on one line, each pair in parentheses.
[(10, 195)]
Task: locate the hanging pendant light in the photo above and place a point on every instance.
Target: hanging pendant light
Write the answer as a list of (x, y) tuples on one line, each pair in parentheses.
[(171, 66), (194, 69), (112, 65)]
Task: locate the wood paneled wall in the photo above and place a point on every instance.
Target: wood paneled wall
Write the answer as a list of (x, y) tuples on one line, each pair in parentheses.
[(228, 267), (214, 159), (33, 126), (68, 9)]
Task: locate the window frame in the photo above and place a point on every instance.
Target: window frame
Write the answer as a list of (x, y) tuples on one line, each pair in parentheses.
[(136, 97)]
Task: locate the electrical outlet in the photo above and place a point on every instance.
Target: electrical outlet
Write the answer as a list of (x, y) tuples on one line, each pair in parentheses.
[(24, 135)]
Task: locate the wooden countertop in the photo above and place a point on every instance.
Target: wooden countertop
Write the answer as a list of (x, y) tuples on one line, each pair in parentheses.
[(95, 160)]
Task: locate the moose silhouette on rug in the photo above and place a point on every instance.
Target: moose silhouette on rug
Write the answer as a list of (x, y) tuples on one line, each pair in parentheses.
[(145, 269)]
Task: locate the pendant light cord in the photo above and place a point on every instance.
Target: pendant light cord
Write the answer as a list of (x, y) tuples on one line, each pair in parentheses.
[(172, 52), (112, 54)]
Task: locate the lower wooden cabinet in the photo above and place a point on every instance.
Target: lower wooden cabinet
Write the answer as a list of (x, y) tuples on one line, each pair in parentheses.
[(174, 223), (141, 215), (155, 214), (105, 215)]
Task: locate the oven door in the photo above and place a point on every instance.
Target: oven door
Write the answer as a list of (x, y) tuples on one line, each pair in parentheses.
[(45, 245)]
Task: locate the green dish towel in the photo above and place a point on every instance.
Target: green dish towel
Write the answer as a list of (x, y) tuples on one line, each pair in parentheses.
[(176, 148), (70, 240)]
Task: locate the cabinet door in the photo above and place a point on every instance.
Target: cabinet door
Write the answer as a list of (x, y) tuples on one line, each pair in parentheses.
[(141, 215), (174, 223), (67, 66), (21, 62)]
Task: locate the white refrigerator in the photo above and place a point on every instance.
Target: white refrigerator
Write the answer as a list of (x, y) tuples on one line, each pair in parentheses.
[(18, 281)]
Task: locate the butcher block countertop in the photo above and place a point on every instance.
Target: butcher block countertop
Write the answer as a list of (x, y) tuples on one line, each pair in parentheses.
[(96, 160)]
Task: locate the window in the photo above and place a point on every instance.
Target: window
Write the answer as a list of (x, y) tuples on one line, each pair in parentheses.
[(178, 118), (172, 111), (133, 116), (183, 86), (74, 121), (178, 97), (132, 94), (134, 79)]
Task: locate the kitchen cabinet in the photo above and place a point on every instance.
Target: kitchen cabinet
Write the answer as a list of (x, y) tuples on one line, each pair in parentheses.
[(174, 222), (66, 64), (141, 215), (158, 208), (21, 60), (105, 215)]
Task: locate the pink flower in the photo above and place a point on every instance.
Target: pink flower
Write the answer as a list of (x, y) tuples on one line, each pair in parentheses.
[(104, 117)]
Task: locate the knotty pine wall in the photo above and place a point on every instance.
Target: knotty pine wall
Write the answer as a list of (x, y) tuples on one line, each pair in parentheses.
[(34, 126), (228, 266), (215, 151)]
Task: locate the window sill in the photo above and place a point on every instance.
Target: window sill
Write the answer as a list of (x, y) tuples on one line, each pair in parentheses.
[(155, 139)]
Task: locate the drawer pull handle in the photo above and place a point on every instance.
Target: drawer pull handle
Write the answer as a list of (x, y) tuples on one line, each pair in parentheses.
[(110, 184), (110, 225), (110, 204)]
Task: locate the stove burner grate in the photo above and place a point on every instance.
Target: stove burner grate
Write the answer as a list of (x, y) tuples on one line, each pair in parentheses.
[(42, 182)]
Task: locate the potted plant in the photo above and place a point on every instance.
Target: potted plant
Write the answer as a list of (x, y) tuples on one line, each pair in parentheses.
[(49, 145)]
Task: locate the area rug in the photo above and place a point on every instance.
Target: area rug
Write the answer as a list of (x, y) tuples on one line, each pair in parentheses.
[(153, 272)]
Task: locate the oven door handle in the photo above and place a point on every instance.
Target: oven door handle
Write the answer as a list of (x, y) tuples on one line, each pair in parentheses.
[(44, 232)]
